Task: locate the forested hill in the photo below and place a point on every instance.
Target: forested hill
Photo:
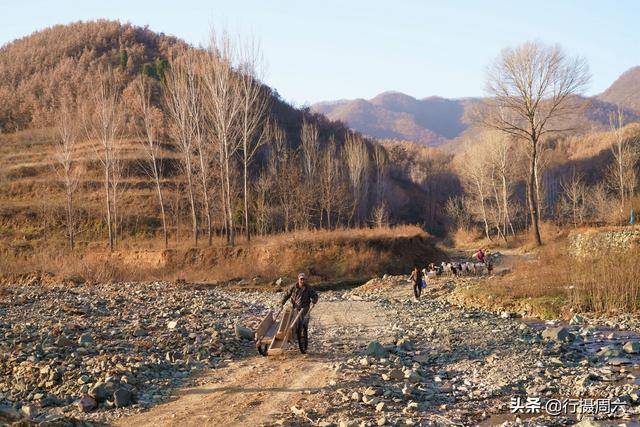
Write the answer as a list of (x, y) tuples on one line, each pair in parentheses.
[(37, 69), (34, 70), (40, 70)]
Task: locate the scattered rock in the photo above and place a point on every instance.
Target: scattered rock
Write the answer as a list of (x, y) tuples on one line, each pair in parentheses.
[(576, 320), (87, 403), (558, 334), (298, 412), (85, 340), (244, 333), (375, 349), (632, 347), (121, 397), (173, 324)]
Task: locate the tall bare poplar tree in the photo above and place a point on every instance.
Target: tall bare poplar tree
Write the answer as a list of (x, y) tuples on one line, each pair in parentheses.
[(474, 174), (224, 109), (531, 90), (329, 181), (149, 123), (358, 164), (66, 162), (177, 97), (103, 125), (254, 110), (502, 159), (625, 156), (196, 101)]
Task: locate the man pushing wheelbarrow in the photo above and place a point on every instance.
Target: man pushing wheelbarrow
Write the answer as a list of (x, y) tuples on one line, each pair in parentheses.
[(273, 334), (302, 297)]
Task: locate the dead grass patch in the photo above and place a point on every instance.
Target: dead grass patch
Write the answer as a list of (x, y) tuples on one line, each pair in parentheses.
[(559, 283)]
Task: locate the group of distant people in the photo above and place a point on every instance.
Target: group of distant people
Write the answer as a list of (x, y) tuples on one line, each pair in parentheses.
[(419, 276)]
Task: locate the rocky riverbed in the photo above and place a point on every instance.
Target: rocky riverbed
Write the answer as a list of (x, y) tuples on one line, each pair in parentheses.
[(100, 353)]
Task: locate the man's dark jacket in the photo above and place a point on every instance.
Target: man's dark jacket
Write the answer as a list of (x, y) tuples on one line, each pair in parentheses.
[(301, 297)]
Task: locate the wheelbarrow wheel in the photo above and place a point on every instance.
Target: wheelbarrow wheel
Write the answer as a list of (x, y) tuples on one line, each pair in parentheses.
[(303, 337), (262, 348)]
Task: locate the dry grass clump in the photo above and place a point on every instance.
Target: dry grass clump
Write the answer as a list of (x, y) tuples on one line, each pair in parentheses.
[(607, 283), (604, 283), (463, 236), (535, 277), (344, 234)]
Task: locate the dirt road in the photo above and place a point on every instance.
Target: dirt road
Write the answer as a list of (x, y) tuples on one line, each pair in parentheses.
[(252, 391)]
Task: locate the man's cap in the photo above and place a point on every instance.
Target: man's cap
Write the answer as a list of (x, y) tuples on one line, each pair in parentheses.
[(301, 276)]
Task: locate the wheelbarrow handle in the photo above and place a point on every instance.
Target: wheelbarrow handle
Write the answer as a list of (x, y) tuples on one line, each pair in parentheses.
[(279, 311)]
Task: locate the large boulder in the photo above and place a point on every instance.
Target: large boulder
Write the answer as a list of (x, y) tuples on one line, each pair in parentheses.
[(87, 403), (560, 333), (244, 333), (375, 349), (632, 347)]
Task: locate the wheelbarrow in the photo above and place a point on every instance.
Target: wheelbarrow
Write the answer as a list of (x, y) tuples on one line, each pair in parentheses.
[(276, 331)]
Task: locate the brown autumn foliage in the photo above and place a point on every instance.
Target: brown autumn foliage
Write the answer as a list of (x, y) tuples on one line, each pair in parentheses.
[(37, 69)]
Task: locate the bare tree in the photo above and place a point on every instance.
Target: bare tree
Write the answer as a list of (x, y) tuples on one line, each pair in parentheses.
[(625, 157), (117, 188), (254, 110), (285, 169), (224, 115), (183, 69), (262, 202), (103, 124), (532, 90), (474, 176), (150, 121), (573, 201), (196, 100), (329, 181), (310, 147), (66, 167), (380, 215), (380, 160), (502, 164), (310, 138), (358, 164)]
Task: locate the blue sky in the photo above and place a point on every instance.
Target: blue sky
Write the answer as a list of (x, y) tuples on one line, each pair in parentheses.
[(356, 49)]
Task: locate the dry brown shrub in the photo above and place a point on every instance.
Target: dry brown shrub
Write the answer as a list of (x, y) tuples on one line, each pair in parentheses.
[(608, 282), (465, 236), (605, 282)]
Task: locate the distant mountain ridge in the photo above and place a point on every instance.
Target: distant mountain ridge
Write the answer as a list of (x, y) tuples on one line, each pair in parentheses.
[(625, 91), (394, 115), (435, 121)]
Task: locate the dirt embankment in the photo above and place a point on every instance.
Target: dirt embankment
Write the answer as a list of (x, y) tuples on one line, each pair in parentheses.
[(348, 257), (342, 255)]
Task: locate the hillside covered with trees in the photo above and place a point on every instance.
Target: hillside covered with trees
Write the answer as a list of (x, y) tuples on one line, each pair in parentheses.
[(135, 133)]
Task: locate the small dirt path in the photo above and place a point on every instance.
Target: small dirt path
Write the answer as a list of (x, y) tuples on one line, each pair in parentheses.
[(251, 391)]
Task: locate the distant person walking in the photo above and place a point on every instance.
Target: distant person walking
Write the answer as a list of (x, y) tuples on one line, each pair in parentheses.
[(481, 256), (416, 277)]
